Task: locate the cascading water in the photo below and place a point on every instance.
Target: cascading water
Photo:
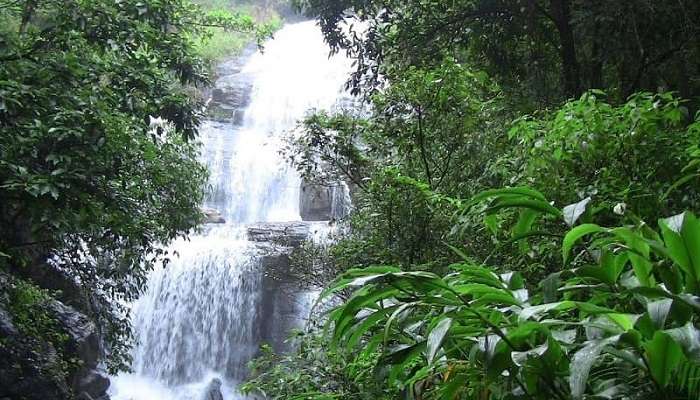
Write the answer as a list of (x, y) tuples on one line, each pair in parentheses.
[(204, 315)]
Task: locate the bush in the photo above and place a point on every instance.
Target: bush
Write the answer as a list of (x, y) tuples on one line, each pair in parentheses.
[(616, 321)]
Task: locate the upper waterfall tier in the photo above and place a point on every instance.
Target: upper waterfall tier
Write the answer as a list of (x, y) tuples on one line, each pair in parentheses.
[(251, 181)]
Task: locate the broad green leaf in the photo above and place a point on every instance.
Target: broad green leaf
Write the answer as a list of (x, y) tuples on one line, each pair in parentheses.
[(535, 311), (658, 312), (366, 324), (536, 205), (401, 357), (575, 234), (663, 355), (638, 254), (671, 229), (493, 299), (357, 303), (396, 314), (624, 321), (515, 191), (609, 269), (358, 277), (523, 226), (491, 222), (690, 233), (688, 336), (436, 336), (582, 362), (520, 357), (476, 289)]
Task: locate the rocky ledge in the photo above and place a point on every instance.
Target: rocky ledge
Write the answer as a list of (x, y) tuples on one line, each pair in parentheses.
[(290, 234)]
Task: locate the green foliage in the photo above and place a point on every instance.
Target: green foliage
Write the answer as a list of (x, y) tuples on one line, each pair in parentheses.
[(541, 52), (620, 322), (551, 287), (312, 373), (439, 126), (216, 43), (29, 308), (98, 164), (610, 153)]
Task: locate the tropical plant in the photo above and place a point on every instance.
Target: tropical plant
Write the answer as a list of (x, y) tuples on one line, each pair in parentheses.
[(618, 321), (313, 373)]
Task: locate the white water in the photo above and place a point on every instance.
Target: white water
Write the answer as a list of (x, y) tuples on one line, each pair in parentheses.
[(200, 317)]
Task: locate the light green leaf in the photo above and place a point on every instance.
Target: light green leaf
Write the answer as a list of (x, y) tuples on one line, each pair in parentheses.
[(624, 321), (536, 205), (663, 355), (575, 234)]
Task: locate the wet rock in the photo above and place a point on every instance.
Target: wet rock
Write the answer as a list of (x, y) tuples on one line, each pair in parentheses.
[(232, 90), (315, 202), (82, 334), (213, 390), (212, 216), (34, 368), (290, 234), (93, 383), (29, 369)]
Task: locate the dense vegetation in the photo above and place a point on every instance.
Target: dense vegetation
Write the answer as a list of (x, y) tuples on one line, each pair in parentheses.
[(525, 174), (215, 43), (526, 184), (98, 165)]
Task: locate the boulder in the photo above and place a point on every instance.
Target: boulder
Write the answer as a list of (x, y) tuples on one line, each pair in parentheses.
[(213, 390), (212, 216), (323, 202), (315, 202)]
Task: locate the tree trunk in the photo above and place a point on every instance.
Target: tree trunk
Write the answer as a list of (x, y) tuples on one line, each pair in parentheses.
[(562, 19)]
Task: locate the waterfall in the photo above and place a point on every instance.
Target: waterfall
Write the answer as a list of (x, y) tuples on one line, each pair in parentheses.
[(205, 314)]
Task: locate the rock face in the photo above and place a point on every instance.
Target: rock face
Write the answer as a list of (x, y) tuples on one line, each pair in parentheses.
[(283, 298), (323, 203), (231, 92), (315, 202), (34, 368)]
